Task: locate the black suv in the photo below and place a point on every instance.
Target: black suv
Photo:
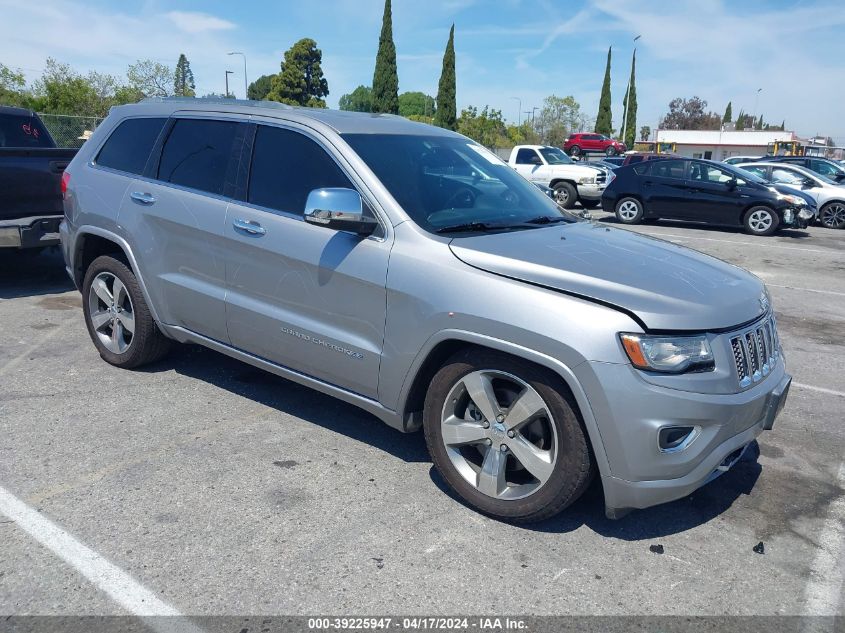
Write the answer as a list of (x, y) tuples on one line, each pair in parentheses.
[(702, 191)]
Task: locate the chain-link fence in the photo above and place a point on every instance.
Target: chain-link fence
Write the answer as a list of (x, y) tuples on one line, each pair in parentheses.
[(69, 130)]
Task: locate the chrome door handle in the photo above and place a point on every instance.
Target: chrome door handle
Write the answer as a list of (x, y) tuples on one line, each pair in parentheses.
[(143, 198), (249, 227)]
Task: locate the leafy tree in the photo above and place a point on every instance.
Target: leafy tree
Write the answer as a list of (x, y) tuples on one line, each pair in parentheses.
[(604, 119), (690, 114), (12, 87), (728, 114), (301, 80), (421, 118), (559, 117), (522, 134), (385, 76), (645, 132), (151, 78), (447, 106), (61, 90), (183, 78), (744, 121), (416, 103), (629, 114), (486, 127), (359, 100), (260, 88), (218, 95)]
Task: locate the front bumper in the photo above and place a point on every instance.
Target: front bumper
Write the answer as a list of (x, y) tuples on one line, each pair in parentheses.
[(31, 232), (592, 191), (631, 411)]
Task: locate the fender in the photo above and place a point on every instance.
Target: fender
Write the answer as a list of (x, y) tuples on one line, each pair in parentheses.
[(87, 229), (559, 368)]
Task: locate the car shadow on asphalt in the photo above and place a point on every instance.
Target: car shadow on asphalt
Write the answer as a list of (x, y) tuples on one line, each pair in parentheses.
[(702, 506), (799, 234), (24, 274), (291, 398)]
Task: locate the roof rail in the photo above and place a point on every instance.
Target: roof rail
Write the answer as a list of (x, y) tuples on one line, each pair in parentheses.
[(219, 100)]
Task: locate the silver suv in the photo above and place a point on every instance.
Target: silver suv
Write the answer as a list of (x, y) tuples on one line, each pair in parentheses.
[(409, 271)]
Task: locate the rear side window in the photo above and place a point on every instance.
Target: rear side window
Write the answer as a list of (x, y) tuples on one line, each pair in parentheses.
[(197, 154), (23, 131), (286, 167), (642, 167), (129, 146), (668, 169)]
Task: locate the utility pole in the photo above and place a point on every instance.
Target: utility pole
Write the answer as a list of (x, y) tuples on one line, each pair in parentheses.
[(518, 112), (245, 80), (628, 95), (756, 103), (228, 72)]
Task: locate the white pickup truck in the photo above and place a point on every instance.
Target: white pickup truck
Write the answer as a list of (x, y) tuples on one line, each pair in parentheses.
[(550, 166)]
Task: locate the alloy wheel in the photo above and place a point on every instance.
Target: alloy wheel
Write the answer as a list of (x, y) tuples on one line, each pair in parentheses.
[(833, 215), (760, 221), (561, 196), (499, 434), (628, 210), (111, 312)]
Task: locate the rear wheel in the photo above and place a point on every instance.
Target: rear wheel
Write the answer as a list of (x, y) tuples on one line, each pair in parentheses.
[(505, 437), (118, 319), (761, 221), (832, 215), (575, 150), (610, 151), (629, 211), (565, 194)]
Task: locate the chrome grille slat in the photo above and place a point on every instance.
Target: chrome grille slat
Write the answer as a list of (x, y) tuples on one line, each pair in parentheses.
[(755, 351)]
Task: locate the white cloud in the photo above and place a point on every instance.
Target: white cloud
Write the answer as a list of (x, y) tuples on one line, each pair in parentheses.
[(194, 22)]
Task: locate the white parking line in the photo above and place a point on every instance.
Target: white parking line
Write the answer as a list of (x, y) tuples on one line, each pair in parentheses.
[(823, 292), (824, 587), (829, 392), (107, 577), (763, 244)]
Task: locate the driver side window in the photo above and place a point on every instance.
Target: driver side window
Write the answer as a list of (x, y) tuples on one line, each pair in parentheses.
[(527, 156)]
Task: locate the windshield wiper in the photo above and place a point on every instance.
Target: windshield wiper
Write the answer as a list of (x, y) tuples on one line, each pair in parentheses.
[(471, 226), (547, 219)]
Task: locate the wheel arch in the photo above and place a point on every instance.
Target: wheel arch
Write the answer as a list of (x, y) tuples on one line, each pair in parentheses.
[(443, 345), (557, 181), (91, 242)]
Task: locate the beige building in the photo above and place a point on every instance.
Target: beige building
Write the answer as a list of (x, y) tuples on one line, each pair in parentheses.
[(719, 144)]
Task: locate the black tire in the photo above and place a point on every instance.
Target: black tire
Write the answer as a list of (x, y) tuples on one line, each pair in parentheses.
[(565, 195), (573, 469), (575, 150), (761, 220), (610, 151), (589, 204), (147, 343), (629, 210), (832, 215)]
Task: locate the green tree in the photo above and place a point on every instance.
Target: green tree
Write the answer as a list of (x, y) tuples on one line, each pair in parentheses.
[(151, 78), (183, 78), (385, 76), (447, 105), (522, 134), (604, 119), (759, 125), (728, 117), (301, 80), (12, 87), (416, 103), (690, 114), (486, 127), (359, 100), (260, 88), (629, 106), (645, 132), (558, 118)]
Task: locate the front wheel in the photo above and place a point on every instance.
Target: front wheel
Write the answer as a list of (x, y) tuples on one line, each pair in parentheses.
[(506, 437), (610, 151), (629, 211), (565, 195), (761, 221), (832, 215), (118, 319), (574, 151)]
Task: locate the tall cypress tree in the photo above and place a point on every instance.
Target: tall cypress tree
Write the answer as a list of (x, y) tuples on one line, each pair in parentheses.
[(447, 107), (385, 78), (604, 119), (728, 114), (183, 78), (629, 114)]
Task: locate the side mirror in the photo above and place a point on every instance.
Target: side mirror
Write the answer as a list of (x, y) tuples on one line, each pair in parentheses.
[(340, 209), (731, 184), (808, 183)]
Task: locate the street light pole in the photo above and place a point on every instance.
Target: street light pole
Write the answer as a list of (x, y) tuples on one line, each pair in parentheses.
[(228, 72), (245, 80), (628, 97), (518, 112)]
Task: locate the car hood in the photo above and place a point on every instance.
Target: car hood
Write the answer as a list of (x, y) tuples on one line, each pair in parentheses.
[(780, 188), (666, 286)]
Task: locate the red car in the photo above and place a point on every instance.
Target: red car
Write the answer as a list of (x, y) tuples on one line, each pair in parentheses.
[(578, 144)]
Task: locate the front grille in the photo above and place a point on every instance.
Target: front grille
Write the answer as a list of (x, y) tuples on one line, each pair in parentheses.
[(601, 177), (755, 351)]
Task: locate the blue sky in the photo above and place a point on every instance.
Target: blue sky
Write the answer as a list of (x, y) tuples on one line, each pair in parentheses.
[(718, 50)]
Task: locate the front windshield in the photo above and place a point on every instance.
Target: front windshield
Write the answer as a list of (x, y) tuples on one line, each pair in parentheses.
[(443, 182), (747, 174), (555, 156)]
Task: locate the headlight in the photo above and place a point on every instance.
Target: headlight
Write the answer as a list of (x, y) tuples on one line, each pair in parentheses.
[(669, 354), (793, 200), (587, 180)]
